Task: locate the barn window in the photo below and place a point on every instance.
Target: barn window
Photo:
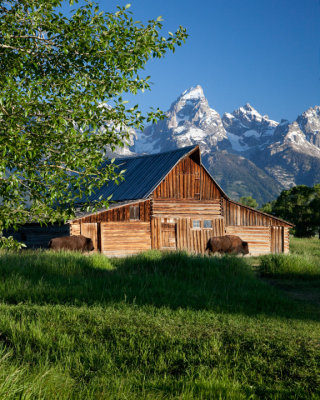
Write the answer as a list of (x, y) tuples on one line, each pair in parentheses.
[(207, 224), (135, 212), (196, 224)]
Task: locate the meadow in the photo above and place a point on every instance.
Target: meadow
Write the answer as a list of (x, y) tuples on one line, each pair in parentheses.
[(160, 326)]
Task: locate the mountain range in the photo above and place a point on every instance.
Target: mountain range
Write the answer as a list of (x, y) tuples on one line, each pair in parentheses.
[(246, 152)]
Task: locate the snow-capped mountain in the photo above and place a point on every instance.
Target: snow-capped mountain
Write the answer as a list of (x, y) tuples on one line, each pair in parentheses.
[(189, 121), (247, 152), (247, 128), (309, 123)]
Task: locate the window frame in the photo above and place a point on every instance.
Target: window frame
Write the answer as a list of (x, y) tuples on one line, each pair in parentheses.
[(196, 227), (134, 212), (207, 227)]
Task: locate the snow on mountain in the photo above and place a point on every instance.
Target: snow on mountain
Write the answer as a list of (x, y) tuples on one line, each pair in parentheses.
[(189, 121), (309, 123), (247, 128), (279, 154), (290, 158)]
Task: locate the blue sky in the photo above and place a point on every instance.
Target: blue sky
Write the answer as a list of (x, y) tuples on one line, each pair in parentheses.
[(265, 52)]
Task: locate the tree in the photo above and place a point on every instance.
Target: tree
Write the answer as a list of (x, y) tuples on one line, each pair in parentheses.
[(61, 80), (248, 201), (268, 207), (315, 205), (301, 206)]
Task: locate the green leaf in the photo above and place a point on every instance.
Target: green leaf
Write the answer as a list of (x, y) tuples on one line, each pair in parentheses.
[(51, 138)]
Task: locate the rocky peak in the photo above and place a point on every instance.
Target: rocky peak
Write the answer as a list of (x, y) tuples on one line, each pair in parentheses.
[(191, 106), (193, 94), (190, 120), (309, 123), (290, 135), (247, 118)]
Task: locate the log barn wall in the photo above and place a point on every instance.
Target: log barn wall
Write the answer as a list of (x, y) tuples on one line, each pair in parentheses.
[(180, 234), (125, 238), (183, 211), (264, 233), (258, 237), (113, 232)]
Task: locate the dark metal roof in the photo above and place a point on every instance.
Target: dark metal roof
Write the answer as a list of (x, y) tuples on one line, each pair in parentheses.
[(142, 175)]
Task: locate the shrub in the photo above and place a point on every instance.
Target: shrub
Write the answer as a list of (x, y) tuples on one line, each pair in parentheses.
[(9, 243)]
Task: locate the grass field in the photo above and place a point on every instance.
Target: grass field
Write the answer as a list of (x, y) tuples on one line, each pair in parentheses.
[(158, 326)]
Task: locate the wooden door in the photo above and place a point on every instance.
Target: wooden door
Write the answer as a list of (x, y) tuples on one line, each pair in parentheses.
[(277, 239), (90, 230), (168, 235)]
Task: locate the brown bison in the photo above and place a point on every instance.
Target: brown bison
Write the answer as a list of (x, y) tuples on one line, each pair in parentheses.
[(227, 244), (77, 243)]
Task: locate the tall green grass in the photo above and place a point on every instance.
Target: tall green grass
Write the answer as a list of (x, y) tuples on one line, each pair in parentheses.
[(302, 264), (174, 280), (154, 326)]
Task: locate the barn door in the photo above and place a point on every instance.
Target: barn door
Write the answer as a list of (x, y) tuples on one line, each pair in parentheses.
[(277, 239), (90, 230), (168, 235)]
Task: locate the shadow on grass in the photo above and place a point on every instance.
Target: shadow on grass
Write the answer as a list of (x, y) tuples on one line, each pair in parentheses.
[(173, 280)]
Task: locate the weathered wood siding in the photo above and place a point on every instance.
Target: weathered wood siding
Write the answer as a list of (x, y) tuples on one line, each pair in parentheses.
[(125, 238), (119, 213), (75, 229), (112, 231), (187, 180), (186, 236), (237, 215), (258, 237), (279, 239), (286, 240), (183, 208), (90, 229)]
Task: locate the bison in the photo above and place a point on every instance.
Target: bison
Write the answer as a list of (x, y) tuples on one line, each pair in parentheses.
[(227, 244), (77, 243)]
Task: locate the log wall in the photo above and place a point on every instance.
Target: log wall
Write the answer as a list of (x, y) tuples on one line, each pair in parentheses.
[(125, 238), (186, 208), (286, 235), (258, 237), (187, 237)]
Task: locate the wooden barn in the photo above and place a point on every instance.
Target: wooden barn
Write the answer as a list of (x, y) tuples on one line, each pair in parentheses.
[(169, 201)]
